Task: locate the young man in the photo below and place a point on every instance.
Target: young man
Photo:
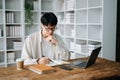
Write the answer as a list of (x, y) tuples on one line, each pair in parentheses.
[(44, 45)]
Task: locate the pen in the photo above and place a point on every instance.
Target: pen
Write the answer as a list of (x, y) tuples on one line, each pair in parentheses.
[(48, 59), (51, 60)]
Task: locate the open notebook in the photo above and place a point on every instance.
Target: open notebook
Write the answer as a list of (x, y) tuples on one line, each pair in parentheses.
[(57, 62)]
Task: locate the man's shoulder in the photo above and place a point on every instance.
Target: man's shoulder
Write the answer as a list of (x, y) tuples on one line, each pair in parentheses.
[(34, 35), (57, 36)]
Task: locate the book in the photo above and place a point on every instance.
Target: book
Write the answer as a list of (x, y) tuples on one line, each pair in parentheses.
[(0, 32), (10, 57), (41, 68)]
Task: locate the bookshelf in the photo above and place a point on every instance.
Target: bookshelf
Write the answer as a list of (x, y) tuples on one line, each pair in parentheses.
[(80, 24), (14, 29), (85, 28)]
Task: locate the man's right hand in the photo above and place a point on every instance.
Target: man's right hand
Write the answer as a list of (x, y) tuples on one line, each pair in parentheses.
[(44, 60), (51, 40)]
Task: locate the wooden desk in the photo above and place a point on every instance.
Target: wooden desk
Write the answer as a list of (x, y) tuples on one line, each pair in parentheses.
[(102, 68)]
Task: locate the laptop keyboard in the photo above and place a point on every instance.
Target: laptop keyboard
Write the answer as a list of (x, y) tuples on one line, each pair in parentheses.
[(83, 64)]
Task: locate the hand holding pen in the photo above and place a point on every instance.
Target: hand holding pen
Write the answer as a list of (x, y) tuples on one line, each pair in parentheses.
[(44, 60)]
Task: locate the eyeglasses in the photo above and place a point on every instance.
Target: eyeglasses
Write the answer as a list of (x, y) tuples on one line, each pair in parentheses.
[(52, 28)]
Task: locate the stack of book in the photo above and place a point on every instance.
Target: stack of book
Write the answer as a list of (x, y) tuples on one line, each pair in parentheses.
[(9, 17), (47, 68), (62, 5), (41, 68), (14, 31), (48, 3), (10, 57), (69, 17), (72, 33), (17, 44), (0, 32), (70, 4), (83, 5), (1, 16), (90, 47), (72, 46), (60, 19), (35, 5), (80, 48)]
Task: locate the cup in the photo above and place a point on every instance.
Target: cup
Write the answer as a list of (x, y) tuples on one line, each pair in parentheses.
[(20, 64)]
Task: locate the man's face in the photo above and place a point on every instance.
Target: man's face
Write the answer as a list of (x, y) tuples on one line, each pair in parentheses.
[(48, 30)]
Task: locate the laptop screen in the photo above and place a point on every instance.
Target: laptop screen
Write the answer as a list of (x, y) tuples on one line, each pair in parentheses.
[(93, 56)]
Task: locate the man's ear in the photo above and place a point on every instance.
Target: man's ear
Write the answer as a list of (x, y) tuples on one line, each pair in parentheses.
[(42, 25)]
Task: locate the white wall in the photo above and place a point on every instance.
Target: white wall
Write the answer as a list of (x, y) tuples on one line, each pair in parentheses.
[(109, 29)]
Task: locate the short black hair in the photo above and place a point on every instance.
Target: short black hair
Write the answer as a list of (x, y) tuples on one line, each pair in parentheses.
[(49, 18)]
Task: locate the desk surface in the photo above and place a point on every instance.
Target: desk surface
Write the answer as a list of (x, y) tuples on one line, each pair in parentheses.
[(102, 68)]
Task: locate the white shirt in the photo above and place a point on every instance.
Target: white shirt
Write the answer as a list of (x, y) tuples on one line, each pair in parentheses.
[(47, 49), (32, 49)]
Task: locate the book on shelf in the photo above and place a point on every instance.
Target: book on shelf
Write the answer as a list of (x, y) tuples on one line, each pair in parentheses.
[(9, 17), (10, 57), (41, 68), (69, 17), (35, 3), (17, 44), (0, 32), (13, 30), (70, 4)]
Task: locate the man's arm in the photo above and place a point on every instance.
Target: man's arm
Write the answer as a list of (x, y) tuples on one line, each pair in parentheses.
[(60, 49), (27, 52)]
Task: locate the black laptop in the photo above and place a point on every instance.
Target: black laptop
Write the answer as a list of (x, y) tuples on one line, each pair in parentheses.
[(91, 60)]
